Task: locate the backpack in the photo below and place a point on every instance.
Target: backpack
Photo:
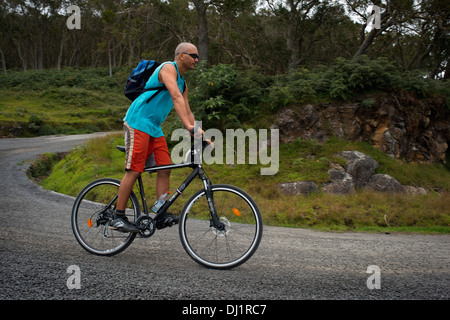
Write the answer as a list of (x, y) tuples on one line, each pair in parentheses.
[(139, 77)]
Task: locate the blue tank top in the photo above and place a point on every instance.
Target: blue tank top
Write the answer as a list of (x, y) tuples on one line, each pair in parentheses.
[(148, 117)]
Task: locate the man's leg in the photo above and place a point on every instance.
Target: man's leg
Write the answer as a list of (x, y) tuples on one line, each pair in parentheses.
[(120, 221), (162, 185), (136, 143), (126, 185), (162, 157), (162, 182)]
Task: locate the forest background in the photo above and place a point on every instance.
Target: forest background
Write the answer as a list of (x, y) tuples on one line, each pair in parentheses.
[(277, 36)]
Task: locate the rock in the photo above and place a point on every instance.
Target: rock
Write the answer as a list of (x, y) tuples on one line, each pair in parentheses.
[(287, 120), (15, 130), (339, 187), (289, 126), (336, 166), (338, 175), (360, 166), (384, 183), (298, 188), (341, 182), (309, 116), (399, 124), (415, 190)]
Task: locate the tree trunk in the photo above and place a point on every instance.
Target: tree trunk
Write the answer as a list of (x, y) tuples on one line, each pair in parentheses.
[(292, 36), (61, 50), (366, 43), (3, 61), (40, 55), (109, 58), (384, 23), (19, 52), (203, 38), (290, 42)]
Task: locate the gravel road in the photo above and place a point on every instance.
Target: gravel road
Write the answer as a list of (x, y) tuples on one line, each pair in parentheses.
[(37, 247)]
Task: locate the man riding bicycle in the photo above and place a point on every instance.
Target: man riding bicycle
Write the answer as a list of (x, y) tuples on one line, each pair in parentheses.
[(144, 139)]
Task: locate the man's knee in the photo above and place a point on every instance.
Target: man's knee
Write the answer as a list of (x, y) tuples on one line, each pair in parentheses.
[(130, 174)]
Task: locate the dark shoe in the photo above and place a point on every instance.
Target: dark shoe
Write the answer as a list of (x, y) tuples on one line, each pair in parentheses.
[(166, 220), (122, 224)]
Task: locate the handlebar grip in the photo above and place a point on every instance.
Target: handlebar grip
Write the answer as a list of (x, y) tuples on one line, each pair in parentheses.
[(194, 129)]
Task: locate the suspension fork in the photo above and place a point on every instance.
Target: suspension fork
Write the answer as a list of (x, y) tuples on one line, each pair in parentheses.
[(215, 222)]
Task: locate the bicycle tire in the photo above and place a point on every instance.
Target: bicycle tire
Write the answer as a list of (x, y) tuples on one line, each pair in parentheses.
[(225, 249), (91, 214)]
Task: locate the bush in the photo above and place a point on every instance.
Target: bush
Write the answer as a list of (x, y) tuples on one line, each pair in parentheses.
[(91, 79), (279, 97), (346, 78), (224, 97), (42, 167)]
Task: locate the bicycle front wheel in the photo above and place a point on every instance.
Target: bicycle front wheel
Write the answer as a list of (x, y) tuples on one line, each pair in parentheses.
[(231, 246), (92, 213)]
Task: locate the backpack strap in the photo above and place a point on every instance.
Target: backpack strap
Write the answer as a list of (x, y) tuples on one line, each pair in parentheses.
[(158, 90)]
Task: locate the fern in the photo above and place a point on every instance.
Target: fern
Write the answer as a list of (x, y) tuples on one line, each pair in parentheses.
[(338, 88)]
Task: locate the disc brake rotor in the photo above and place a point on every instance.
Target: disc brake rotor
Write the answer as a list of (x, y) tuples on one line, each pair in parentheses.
[(222, 233)]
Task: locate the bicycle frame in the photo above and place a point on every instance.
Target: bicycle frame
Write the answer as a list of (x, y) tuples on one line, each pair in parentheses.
[(197, 171)]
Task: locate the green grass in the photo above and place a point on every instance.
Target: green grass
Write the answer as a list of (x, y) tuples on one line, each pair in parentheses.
[(363, 211), (54, 111), (71, 101)]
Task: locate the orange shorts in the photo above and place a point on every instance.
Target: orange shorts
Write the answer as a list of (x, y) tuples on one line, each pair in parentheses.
[(143, 150)]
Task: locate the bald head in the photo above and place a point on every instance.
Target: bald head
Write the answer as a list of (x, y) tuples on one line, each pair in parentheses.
[(184, 47)]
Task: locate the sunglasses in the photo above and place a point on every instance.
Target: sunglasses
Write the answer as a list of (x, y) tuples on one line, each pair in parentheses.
[(193, 55)]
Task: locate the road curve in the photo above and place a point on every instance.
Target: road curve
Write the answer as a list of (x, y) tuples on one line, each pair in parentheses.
[(37, 247)]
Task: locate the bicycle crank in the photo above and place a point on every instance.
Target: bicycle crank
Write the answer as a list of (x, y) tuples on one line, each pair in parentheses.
[(146, 225)]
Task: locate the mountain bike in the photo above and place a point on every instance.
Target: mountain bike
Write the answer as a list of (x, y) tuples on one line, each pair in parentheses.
[(220, 226)]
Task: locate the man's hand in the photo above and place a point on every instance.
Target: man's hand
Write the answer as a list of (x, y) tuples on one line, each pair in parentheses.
[(198, 133)]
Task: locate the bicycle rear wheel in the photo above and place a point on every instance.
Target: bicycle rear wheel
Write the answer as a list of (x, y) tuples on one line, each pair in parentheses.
[(93, 211), (221, 249)]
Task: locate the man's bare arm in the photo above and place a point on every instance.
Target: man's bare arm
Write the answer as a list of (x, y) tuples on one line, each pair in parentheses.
[(168, 75)]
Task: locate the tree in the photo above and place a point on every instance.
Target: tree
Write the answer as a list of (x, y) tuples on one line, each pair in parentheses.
[(203, 38), (432, 52), (393, 14), (224, 7)]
